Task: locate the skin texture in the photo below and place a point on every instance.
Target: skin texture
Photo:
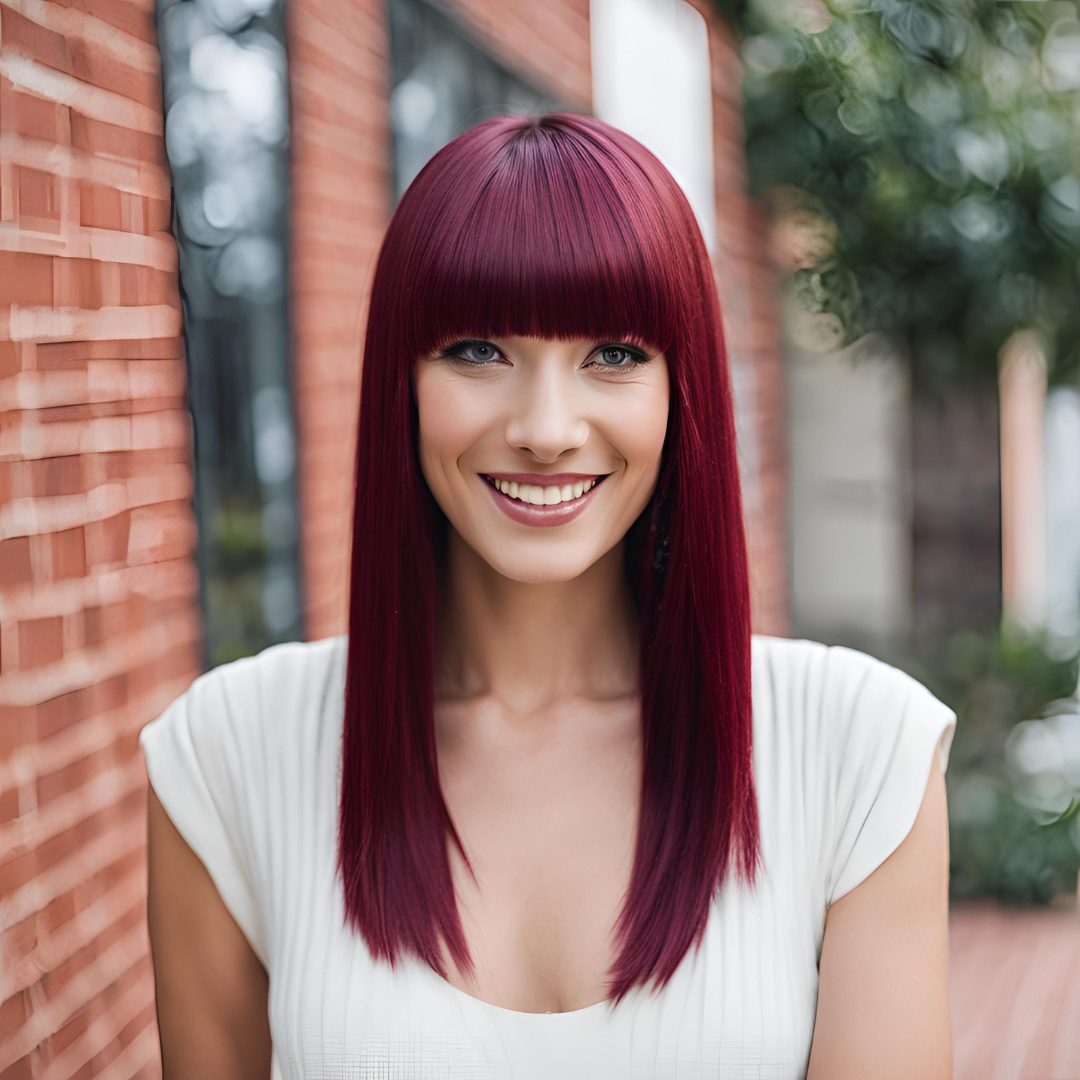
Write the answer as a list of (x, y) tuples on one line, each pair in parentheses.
[(212, 989), (883, 996)]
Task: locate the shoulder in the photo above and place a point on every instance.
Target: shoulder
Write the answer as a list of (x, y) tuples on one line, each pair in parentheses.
[(257, 696), (225, 756), (835, 692), (245, 729), (856, 737)]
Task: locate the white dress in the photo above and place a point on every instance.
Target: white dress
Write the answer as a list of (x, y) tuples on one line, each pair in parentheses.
[(246, 763)]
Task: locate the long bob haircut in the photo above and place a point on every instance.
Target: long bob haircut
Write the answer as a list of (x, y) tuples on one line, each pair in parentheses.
[(556, 226)]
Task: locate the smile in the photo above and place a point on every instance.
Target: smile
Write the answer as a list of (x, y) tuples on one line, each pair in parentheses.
[(531, 504)]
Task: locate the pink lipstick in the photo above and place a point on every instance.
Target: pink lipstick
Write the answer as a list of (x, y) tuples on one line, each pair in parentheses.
[(543, 515)]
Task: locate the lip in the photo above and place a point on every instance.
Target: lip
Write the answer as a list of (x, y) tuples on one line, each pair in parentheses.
[(542, 516)]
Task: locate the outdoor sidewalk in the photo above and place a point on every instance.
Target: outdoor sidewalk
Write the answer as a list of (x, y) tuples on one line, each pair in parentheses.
[(1015, 992)]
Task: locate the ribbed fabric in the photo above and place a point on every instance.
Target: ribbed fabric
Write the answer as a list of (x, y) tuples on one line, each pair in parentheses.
[(247, 764)]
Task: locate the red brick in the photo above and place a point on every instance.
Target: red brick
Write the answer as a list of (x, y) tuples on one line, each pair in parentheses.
[(93, 627), (128, 17), (107, 541), (27, 114), (111, 693), (69, 554), (29, 39), (72, 1030), (92, 64), (13, 1014), (55, 354), (99, 207), (77, 283), (21, 1070), (9, 350), (41, 641), (57, 912), (59, 475), (158, 215), (102, 138), (9, 804), (144, 285), (133, 213), (16, 871), (15, 562), (38, 200), (70, 777), (19, 941), (58, 712), (26, 278)]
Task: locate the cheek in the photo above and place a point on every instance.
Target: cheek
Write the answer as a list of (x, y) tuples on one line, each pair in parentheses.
[(640, 429), (449, 421)]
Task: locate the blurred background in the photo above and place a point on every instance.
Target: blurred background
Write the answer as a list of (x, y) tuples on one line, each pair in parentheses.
[(192, 196)]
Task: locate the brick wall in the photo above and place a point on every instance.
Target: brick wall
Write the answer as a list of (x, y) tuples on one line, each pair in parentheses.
[(98, 616), (341, 203)]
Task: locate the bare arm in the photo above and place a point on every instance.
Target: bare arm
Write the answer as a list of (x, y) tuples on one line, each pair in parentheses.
[(883, 995), (212, 990)]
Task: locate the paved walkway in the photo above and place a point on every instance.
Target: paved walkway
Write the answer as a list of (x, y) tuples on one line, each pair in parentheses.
[(1015, 992)]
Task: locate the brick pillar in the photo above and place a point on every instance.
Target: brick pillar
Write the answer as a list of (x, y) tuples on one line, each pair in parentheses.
[(99, 624), (341, 203), (745, 280)]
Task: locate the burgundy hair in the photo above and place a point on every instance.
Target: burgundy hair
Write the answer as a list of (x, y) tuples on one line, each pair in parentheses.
[(558, 226)]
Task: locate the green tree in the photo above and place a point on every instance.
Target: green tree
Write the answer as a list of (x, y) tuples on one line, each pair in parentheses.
[(932, 147)]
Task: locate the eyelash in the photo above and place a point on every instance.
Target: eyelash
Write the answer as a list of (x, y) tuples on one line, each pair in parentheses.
[(637, 357)]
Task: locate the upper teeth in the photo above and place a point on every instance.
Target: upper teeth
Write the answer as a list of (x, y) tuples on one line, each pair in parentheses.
[(543, 496)]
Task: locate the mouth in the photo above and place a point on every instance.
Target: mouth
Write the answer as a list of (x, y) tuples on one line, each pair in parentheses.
[(531, 504)]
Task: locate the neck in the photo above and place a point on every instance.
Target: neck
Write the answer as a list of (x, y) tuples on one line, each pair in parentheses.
[(533, 646)]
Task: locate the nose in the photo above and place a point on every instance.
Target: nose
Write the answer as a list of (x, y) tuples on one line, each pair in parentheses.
[(547, 413)]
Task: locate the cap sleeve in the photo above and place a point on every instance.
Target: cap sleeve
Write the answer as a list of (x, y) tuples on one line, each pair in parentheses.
[(202, 759), (887, 728)]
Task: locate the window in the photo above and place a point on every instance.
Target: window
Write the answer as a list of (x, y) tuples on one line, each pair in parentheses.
[(226, 135), (442, 83)]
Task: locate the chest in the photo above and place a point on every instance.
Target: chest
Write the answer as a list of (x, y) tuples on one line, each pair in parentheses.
[(549, 827), (741, 1006)]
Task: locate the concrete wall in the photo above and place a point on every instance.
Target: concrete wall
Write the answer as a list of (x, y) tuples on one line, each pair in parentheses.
[(851, 541)]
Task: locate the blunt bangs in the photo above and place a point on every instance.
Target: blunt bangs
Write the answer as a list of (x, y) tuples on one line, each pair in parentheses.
[(553, 237)]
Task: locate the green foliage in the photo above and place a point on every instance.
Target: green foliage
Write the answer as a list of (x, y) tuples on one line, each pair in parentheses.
[(1004, 843), (935, 144)]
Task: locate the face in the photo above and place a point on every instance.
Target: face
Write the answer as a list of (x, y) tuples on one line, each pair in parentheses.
[(571, 431)]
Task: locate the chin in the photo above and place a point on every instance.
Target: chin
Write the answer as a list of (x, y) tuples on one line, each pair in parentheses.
[(539, 570)]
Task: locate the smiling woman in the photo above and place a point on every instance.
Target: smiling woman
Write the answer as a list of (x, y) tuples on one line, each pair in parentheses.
[(549, 808), (536, 401)]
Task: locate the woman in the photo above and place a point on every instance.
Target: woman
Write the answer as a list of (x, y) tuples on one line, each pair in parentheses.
[(549, 809)]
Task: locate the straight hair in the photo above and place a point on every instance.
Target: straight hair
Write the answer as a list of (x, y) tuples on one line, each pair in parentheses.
[(557, 226)]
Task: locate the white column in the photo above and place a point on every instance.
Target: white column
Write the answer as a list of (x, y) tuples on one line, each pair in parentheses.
[(652, 79), (1022, 390)]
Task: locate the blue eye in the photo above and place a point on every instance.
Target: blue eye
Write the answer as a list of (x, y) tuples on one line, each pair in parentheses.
[(484, 353), (458, 350), (633, 358)]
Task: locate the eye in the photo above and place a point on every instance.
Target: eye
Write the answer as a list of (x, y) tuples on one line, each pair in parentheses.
[(483, 353), (627, 359)]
